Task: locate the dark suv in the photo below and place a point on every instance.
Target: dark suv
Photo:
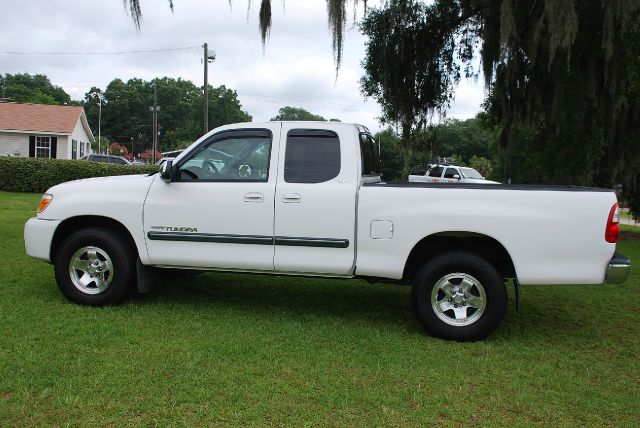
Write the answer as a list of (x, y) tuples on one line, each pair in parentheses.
[(107, 159)]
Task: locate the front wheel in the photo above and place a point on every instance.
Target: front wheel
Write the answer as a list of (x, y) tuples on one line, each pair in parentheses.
[(460, 296), (95, 267)]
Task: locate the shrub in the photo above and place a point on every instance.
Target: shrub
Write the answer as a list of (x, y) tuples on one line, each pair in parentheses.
[(37, 175)]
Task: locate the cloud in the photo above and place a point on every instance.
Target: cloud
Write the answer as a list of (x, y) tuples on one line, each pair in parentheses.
[(295, 68)]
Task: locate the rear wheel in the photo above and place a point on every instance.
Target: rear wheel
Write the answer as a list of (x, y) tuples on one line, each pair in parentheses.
[(96, 267), (460, 296)]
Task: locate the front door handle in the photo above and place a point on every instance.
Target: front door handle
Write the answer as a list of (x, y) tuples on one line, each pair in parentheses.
[(291, 198), (254, 197)]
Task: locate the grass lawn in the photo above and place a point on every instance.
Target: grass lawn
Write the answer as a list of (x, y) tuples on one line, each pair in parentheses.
[(230, 349)]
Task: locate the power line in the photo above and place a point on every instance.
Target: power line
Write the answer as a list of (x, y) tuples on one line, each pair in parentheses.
[(100, 53)]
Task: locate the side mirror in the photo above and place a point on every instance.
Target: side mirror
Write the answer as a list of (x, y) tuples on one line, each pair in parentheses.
[(456, 176), (165, 171)]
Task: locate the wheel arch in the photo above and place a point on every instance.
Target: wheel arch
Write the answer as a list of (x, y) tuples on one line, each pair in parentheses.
[(73, 224), (480, 244)]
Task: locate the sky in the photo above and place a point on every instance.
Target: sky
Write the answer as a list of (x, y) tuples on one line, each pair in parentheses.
[(295, 68)]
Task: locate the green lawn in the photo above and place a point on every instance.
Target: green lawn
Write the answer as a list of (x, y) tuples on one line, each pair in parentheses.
[(231, 350)]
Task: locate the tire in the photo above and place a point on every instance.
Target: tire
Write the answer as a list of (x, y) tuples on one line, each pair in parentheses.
[(95, 267), (459, 296)]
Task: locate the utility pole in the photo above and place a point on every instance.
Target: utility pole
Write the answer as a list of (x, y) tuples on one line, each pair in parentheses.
[(207, 58), (154, 109), (100, 97), (206, 89)]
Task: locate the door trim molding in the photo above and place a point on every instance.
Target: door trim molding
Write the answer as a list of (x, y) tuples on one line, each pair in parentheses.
[(295, 241), (211, 237)]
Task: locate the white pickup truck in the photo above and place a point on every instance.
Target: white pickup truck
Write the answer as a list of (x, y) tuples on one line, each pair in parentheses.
[(446, 174), (305, 198)]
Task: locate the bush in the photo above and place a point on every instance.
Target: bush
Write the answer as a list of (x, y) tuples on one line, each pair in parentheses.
[(37, 175)]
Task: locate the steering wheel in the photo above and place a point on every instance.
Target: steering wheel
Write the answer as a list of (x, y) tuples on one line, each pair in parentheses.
[(210, 168), (244, 171)]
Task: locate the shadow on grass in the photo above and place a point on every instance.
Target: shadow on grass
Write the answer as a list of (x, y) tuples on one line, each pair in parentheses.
[(542, 317), (295, 297)]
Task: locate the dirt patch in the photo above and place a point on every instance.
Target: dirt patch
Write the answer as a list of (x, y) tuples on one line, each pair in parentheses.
[(629, 236)]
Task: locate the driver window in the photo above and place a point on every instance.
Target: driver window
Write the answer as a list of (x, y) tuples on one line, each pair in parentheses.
[(236, 158)]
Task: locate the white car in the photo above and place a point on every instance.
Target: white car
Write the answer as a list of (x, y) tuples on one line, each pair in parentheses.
[(447, 174), (305, 198)]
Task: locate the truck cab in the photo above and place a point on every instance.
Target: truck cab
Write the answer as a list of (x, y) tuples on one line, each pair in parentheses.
[(251, 185)]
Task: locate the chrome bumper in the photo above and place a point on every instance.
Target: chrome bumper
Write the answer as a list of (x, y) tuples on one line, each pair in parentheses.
[(618, 269)]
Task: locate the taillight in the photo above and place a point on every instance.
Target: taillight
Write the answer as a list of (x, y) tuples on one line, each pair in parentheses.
[(612, 231)]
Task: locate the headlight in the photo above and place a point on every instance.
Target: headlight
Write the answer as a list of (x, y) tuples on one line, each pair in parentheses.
[(44, 202)]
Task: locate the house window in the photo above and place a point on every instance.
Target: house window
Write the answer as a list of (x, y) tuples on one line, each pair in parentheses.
[(74, 152), (81, 147), (43, 147)]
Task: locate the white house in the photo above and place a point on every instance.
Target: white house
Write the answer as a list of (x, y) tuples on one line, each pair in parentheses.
[(44, 131)]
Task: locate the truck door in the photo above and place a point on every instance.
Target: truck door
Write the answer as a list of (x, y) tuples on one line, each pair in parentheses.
[(315, 202), (218, 209)]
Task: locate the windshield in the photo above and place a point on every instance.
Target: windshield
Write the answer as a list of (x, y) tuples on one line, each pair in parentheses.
[(471, 173)]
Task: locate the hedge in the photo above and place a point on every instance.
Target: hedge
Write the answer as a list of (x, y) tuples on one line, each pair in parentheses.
[(37, 174)]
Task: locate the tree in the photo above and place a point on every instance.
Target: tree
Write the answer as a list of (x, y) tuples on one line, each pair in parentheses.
[(410, 65), (38, 89), (391, 160), (336, 11), (460, 138), (224, 107), (483, 165), (297, 113), (147, 155), (126, 117), (466, 142), (558, 74), (104, 144), (118, 150)]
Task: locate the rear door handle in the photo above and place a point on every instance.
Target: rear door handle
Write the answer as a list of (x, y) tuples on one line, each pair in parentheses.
[(291, 198), (254, 197)]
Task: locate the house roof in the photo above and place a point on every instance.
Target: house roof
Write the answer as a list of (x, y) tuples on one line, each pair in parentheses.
[(41, 118)]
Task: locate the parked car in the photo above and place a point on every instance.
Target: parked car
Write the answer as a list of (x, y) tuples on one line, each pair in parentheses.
[(106, 159), (305, 198), (447, 174)]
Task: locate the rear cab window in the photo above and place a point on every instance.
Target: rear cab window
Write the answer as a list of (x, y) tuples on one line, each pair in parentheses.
[(369, 155), (311, 156)]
